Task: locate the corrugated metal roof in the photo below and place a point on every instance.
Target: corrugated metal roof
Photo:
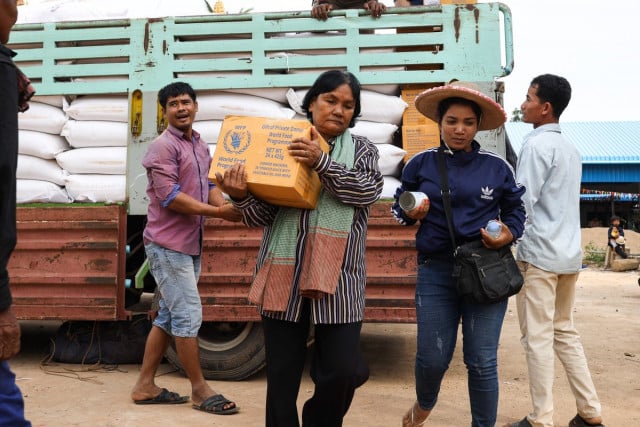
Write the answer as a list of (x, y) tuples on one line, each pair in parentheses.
[(604, 143)]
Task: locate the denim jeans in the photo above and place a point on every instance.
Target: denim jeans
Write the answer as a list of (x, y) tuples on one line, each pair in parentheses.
[(11, 401), (439, 311), (176, 275)]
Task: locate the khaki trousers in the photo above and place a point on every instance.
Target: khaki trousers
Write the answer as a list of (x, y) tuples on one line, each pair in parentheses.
[(545, 312)]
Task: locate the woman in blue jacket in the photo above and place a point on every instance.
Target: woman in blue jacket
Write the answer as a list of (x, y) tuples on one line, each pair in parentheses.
[(483, 188)]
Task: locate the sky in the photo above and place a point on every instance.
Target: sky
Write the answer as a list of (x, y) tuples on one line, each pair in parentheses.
[(595, 44)]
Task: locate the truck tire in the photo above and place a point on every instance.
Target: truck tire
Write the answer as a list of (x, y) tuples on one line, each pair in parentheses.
[(229, 351)]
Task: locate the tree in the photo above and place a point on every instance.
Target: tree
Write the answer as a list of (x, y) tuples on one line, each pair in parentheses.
[(516, 115)]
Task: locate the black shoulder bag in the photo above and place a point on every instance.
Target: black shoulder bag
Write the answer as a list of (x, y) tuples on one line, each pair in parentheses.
[(482, 275)]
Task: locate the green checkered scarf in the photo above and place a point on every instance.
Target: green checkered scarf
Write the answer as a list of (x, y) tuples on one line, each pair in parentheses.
[(324, 246)]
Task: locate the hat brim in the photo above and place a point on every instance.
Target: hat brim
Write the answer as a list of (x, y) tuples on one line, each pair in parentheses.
[(493, 116)]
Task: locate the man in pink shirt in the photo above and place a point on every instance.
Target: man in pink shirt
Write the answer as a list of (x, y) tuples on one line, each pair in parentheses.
[(180, 197)]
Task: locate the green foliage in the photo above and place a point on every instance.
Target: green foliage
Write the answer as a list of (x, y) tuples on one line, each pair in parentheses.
[(516, 115), (594, 255)]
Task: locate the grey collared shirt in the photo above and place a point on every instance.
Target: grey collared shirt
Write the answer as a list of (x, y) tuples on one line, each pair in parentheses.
[(550, 168)]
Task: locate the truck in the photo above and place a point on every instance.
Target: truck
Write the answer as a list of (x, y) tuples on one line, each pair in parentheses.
[(85, 261)]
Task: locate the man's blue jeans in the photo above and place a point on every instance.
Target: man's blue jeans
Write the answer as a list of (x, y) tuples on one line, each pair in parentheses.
[(11, 402), (439, 311)]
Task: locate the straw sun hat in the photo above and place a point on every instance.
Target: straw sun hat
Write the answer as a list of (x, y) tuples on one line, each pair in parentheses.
[(493, 115)]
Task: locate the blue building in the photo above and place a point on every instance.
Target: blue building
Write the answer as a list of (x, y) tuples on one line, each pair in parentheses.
[(610, 167)]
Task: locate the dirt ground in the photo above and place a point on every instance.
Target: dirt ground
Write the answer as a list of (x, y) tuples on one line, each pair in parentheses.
[(607, 313)]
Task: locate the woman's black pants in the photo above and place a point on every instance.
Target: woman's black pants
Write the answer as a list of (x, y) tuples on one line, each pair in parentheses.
[(337, 369)]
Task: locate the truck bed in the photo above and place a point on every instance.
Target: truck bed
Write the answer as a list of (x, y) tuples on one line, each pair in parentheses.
[(70, 264)]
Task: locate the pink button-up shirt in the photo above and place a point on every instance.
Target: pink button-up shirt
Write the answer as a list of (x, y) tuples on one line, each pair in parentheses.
[(176, 165)]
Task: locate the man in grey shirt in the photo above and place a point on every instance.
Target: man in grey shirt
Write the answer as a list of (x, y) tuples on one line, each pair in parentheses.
[(550, 256)]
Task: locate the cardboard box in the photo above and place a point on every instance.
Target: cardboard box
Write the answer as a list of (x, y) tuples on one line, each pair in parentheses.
[(418, 138), (408, 93), (272, 174)]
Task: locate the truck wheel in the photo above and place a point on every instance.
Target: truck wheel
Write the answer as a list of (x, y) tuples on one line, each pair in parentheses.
[(228, 350)]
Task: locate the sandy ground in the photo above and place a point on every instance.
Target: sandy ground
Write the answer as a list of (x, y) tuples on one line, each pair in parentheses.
[(607, 313)]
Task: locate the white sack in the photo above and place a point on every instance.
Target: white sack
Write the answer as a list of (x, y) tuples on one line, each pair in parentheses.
[(218, 105), (71, 10), (40, 144), (42, 118), (97, 188), (94, 160), (375, 107), (390, 186), (90, 10), (209, 130), (36, 191), (31, 167), (99, 107), (53, 100), (390, 162), (277, 94), (95, 133), (378, 133)]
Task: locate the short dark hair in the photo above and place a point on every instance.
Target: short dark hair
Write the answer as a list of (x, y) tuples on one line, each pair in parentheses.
[(553, 89), (329, 81), (175, 89), (446, 103)]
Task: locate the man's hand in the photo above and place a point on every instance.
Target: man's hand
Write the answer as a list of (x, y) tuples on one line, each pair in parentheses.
[(375, 7), (321, 11), (9, 335), (230, 213)]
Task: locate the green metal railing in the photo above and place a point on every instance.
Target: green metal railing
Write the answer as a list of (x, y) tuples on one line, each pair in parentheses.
[(405, 45)]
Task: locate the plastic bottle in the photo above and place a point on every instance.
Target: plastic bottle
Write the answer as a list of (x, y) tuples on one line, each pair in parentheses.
[(493, 228)]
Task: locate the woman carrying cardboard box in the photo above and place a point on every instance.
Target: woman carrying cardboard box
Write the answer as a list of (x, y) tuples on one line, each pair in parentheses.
[(311, 264)]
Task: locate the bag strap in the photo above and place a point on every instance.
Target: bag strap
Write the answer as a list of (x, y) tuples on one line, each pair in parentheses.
[(446, 194)]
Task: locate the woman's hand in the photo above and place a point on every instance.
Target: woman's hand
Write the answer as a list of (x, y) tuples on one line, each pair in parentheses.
[(305, 150), (234, 181), (421, 211), (504, 238)]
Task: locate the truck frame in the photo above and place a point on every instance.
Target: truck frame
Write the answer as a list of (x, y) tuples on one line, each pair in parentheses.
[(84, 261)]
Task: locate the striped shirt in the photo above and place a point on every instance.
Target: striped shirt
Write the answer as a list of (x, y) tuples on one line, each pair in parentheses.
[(359, 187)]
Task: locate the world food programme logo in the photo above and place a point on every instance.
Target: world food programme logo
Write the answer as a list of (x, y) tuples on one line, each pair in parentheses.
[(237, 141)]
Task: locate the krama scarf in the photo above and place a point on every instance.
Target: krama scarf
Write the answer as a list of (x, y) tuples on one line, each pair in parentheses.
[(324, 248)]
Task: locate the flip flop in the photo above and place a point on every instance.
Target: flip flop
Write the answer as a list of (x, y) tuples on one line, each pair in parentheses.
[(215, 405), (165, 397)]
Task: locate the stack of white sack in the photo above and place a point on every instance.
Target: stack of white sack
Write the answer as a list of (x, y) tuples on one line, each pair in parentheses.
[(379, 118), (214, 106), (96, 165), (91, 10), (39, 178)]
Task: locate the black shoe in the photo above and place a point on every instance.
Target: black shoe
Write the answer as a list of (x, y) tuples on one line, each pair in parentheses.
[(578, 421), (522, 423)]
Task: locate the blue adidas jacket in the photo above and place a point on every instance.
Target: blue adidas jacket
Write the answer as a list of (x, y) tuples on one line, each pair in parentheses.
[(483, 187)]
